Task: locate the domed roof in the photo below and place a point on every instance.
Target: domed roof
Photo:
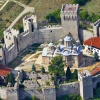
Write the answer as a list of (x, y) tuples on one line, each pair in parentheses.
[(60, 40), (66, 53), (67, 38), (50, 44), (74, 46)]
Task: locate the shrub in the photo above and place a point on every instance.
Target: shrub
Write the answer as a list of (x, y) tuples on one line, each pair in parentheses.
[(53, 17), (42, 70), (70, 97), (48, 83), (33, 68), (34, 98)]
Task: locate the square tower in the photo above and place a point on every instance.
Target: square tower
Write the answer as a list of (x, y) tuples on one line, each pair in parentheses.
[(30, 23), (86, 85), (70, 19), (96, 28)]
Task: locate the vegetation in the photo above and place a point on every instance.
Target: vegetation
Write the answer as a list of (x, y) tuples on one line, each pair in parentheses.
[(42, 70), (96, 93), (84, 15), (47, 83), (80, 2), (70, 97), (10, 78), (53, 17), (26, 1), (7, 15), (33, 98), (71, 76), (33, 68), (96, 57), (68, 74), (56, 66)]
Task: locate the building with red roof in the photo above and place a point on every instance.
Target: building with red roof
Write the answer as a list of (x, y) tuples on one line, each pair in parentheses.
[(96, 71), (4, 70), (92, 44)]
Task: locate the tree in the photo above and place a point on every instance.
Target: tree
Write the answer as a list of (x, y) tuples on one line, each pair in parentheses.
[(56, 66), (53, 17), (68, 74), (42, 70), (96, 57), (10, 78), (75, 74), (80, 2), (33, 68), (83, 15)]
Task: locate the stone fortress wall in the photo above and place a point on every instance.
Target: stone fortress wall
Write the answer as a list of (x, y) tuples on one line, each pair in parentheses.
[(84, 87), (15, 42)]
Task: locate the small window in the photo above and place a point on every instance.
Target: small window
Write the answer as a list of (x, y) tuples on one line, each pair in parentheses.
[(9, 38)]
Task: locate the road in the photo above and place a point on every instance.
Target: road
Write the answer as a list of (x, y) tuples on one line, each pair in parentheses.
[(4, 5), (26, 10)]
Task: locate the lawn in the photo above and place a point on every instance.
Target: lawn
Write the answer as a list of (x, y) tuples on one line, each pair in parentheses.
[(92, 7), (43, 7), (8, 15)]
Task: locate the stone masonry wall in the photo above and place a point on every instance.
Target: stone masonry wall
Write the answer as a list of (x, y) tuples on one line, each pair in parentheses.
[(12, 95), (96, 79), (23, 93), (70, 88), (49, 93)]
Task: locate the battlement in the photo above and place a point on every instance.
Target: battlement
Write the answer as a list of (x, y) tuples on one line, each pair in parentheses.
[(11, 31), (30, 17), (85, 74), (97, 23), (69, 8), (50, 26)]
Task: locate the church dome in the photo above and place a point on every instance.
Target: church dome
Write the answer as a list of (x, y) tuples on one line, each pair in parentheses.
[(50, 44), (67, 38), (66, 53)]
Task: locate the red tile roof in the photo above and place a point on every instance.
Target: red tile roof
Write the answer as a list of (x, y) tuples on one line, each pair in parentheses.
[(4, 70), (95, 41), (96, 71)]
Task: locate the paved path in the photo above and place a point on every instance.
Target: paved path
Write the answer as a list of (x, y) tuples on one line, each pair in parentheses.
[(26, 10), (4, 5)]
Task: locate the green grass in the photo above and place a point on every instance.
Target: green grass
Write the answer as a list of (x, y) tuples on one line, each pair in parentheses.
[(43, 7), (92, 7), (8, 15)]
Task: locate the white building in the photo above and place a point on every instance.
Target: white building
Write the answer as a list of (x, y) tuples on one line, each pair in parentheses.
[(92, 45)]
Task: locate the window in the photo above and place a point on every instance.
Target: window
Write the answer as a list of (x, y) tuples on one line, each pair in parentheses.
[(9, 38)]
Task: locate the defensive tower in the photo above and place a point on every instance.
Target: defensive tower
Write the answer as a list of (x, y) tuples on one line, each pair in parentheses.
[(70, 19)]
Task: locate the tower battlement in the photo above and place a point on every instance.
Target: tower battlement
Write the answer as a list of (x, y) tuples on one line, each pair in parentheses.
[(96, 27), (30, 23), (69, 8), (70, 19), (86, 86)]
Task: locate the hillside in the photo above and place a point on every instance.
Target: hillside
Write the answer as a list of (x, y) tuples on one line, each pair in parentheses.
[(44, 7)]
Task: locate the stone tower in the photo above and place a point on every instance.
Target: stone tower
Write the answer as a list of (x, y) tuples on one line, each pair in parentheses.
[(70, 19), (96, 27), (86, 87), (30, 23)]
